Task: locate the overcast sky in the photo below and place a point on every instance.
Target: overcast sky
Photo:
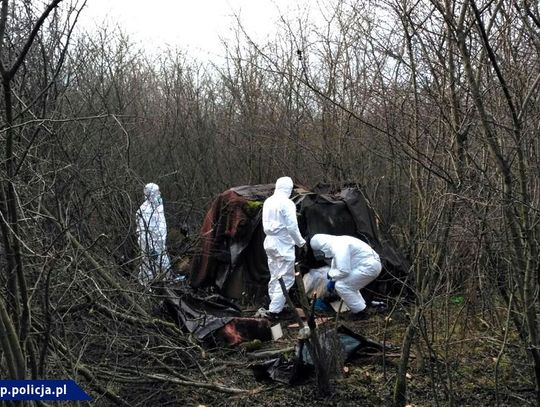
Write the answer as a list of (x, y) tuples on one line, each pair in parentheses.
[(193, 25)]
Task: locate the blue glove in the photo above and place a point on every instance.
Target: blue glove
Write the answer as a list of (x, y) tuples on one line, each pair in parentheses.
[(330, 286)]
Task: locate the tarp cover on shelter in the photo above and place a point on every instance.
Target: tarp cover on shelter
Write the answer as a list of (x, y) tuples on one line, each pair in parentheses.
[(232, 258)]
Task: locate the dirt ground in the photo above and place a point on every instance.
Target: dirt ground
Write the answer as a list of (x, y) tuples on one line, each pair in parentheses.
[(462, 361)]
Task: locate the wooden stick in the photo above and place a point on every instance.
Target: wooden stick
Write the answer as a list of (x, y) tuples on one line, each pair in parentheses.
[(313, 345), (302, 291), (290, 303), (269, 353)]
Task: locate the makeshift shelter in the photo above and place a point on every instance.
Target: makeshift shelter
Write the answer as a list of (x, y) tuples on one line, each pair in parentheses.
[(231, 256)]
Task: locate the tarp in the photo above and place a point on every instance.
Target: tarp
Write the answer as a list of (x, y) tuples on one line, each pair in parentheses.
[(213, 319), (344, 345), (231, 256)]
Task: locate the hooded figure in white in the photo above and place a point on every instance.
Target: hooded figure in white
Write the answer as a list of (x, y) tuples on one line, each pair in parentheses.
[(152, 234), (354, 265), (281, 229)]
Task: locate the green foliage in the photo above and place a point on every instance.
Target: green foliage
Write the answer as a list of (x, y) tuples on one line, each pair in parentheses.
[(252, 207), (457, 300)]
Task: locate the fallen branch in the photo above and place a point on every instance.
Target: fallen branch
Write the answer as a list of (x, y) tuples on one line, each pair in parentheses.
[(153, 322), (98, 388), (269, 353), (210, 386)]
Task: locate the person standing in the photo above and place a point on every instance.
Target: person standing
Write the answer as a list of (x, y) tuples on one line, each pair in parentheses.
[(354, 264), (282, 234), (152, 235)]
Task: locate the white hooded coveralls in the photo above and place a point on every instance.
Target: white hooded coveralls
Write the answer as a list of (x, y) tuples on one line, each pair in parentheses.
[(152, 235), (281, 229), (354, 265)]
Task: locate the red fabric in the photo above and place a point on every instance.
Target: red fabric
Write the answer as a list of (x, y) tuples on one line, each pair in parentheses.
[(223, 221), (245, 329)]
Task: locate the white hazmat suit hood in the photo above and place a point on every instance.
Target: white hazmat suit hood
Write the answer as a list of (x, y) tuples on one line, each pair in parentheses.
[(152, 194), (321, 242), (152, 234), (284, 185), (354, 265)]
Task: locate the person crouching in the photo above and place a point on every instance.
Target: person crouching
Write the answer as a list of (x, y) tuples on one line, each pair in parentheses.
[(354, 264)]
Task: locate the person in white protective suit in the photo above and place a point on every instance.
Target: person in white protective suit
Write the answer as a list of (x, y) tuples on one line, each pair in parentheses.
[(152, 235), (354, 264), (281, 228)]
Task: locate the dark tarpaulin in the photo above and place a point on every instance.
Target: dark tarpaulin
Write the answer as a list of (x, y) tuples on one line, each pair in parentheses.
[(364, 218), (350, 344), (213, 319), (300, 368), (200, 315), (232, 257)]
